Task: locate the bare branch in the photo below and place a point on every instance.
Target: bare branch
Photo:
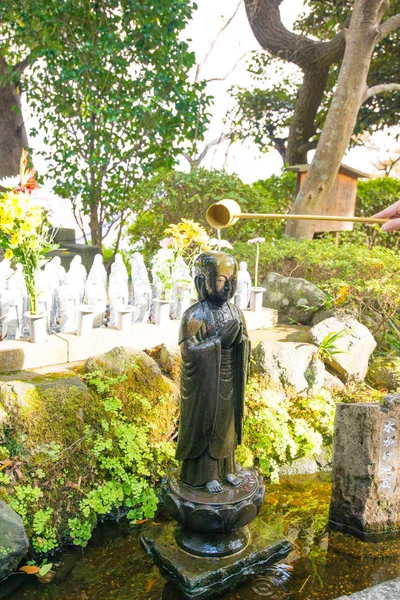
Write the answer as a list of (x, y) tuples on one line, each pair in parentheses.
[(388, 26), (188, 158), (222, 138), (231, 69), (212, 45), (308, 146), (380, 89), (79, 222)]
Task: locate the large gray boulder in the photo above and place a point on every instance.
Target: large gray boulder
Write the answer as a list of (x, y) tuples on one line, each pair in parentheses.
[(13, 540), (390, 590), (356, 346), (293, 367), (292, 297)]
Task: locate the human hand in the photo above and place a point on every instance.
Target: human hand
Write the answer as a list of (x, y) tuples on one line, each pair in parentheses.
[(229, 332), (392, 212)]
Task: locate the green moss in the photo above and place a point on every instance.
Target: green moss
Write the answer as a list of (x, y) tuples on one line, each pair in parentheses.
[(55, 432), (149, 397)]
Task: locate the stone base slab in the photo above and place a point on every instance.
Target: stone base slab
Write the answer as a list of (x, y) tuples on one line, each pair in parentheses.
[(200, 578), (390, 590), (264, 319), (18, 355)]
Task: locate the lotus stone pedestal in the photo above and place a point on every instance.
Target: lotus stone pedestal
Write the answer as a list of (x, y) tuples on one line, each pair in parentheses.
[(217, 544)]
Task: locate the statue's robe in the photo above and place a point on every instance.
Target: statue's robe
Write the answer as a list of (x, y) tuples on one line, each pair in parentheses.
[(213, 381)]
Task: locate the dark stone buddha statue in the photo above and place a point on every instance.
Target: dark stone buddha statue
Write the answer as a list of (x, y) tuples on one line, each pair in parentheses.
[(215, 351)]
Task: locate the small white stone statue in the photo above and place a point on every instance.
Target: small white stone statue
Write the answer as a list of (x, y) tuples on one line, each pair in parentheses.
[(78, 271), (118, 292), (95, 290), (11, 310), (5, 270), (182, 289), (16, 282), (242, 297), (141, 289), (56, 268), (69, 302), (50, 280), (98, 272)]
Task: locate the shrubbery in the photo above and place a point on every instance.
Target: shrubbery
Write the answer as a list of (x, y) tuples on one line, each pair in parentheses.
[(174, 194), (372, 276), (279, 430)]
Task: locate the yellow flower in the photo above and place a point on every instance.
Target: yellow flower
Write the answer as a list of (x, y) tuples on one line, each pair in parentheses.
[(15, 239), (8, 254)]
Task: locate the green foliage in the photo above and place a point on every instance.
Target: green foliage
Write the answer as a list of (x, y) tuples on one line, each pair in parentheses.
[(46, 534), (279, 430), (264, 115), (328, 346), (172, 195), (124, 462), (111, 93), (372, 276), (324, 20), (264, 112), (76, 472)]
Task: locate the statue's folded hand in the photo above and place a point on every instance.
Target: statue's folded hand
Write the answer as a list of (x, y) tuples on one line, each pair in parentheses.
[(229, 332)]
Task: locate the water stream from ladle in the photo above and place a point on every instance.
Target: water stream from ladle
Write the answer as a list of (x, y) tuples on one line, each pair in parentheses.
[(219, 239)]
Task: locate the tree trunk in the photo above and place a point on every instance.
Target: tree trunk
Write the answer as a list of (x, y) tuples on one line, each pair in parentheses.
[(361, 38), (302, 126), (96, 228), (13, 137), (314, 57)]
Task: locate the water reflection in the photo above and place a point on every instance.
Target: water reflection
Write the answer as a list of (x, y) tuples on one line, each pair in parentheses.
[(321, 566)]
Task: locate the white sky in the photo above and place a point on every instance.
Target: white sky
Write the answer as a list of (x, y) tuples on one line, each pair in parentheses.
[(237, 39)]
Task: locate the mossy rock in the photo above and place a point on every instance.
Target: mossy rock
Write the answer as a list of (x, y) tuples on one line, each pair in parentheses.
[(48, 424), (47, 427), (384, 372), (146, 394), (13, 540), (168, 359)]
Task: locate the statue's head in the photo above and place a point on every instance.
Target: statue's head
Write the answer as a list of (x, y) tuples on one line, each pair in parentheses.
[(215, 276), (243, 266)]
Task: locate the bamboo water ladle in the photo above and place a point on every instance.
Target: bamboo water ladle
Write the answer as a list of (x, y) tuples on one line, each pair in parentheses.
[(227, 212)]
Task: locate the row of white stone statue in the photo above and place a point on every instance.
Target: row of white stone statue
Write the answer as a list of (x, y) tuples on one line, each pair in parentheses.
[(61, 293)]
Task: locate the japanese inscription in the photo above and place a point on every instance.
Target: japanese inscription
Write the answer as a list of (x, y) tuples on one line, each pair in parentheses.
[(389, 457)]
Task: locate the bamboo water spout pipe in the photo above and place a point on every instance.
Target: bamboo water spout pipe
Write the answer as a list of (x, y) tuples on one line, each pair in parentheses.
[(227, 212)]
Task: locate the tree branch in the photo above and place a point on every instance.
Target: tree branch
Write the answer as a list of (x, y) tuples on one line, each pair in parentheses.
[(22, 64), (388, 26), (212, 45), (380, 89), (230, 70), (265, 20), (188, 158)]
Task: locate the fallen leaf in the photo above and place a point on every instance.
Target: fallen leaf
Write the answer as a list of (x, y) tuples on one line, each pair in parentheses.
[(30, 569)]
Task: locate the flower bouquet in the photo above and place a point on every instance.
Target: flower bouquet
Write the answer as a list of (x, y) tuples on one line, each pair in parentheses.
[(24, 232)]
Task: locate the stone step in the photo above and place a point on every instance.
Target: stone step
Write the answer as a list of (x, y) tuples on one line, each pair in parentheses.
[(19, 355), (390, 590)]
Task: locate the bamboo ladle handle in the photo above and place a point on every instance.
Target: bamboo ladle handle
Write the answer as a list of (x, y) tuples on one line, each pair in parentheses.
[(227, 212)]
